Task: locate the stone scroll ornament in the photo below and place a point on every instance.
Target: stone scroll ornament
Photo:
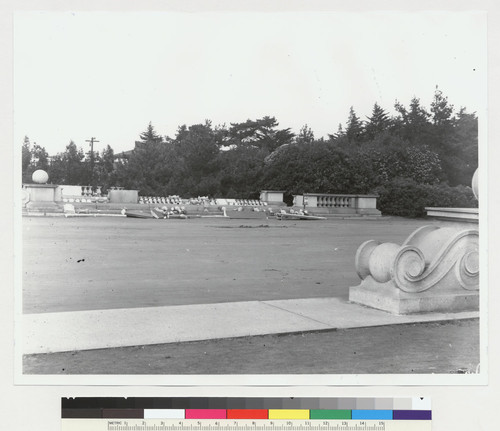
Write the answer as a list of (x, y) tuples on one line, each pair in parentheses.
[(444, 258), (435, 269)]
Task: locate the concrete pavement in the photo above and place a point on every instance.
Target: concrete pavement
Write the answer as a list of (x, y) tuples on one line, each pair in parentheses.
[(96, 329)]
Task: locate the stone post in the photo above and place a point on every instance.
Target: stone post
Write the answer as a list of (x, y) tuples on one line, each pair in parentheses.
[(40, 195)]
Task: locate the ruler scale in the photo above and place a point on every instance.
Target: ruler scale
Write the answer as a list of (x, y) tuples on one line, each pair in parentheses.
[(184, 414), (264, 425)]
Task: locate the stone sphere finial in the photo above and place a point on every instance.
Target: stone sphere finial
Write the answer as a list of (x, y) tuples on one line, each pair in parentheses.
[(475, 184), (40, 176)]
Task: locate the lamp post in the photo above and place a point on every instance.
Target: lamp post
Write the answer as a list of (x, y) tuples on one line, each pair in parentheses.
[(91, 141)]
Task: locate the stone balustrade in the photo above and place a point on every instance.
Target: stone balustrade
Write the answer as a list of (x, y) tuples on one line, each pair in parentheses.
[(332, 201), (338, 204), (65, 191)]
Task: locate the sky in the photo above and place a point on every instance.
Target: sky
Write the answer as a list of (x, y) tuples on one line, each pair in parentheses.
[(108, 74)]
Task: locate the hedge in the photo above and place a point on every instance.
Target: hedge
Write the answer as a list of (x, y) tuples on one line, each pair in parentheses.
[(406, 198)]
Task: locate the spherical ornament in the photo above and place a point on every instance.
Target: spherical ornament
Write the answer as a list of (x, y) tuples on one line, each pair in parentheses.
[(40, 177), (475, 185)]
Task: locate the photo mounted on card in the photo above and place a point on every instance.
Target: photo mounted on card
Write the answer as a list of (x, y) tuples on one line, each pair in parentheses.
[(248, 198)]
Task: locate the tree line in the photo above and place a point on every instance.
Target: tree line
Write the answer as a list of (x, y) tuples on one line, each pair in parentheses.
[(415, 158)]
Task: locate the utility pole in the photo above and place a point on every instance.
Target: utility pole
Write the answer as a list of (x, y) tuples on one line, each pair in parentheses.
[(92, 140)]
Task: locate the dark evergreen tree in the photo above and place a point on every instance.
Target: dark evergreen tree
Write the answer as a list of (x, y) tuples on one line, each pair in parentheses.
[(262, 133), (441, 110), (459, 158), (105, 167), (148, 167), (221, 135), (377, 123), (305, 136), (76, 170), (443, 122), (69, 167), (354, 128), (33, 158), (57, 170), (26, 160), (150, 135), (413, 125), (108, 157), (240, 171), (196, 152), (39, 157), (463, 153), (338, 138)]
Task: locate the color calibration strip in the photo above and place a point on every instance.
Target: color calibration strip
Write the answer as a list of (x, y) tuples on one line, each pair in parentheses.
[(381, 409)]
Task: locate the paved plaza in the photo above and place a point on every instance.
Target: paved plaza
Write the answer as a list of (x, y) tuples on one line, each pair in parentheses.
[(75, 264), (104, 284)]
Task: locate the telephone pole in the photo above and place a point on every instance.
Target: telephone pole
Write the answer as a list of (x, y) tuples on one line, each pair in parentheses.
[(92, 140)]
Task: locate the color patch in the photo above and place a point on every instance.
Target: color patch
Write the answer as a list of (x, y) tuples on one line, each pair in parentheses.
[(372, 414), (288, 414), (205, 414), (384, 404), (122, 413), (330, 414), (402, 404), (346, 403), (419, 403), (163, 414), (409, 415), (247, 414), (365, 404), (81, 413)]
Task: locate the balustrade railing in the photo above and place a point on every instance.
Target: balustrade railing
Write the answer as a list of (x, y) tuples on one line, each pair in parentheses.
[(337, 203), (331, 201), (89, 191), (73, 193)]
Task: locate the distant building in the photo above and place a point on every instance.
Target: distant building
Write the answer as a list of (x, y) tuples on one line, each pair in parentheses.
[(122, 157)]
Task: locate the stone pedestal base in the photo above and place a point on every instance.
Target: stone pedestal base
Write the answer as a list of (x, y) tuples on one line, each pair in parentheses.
[(387, 297), (434, 270), (123, 196), (43, 206), (41, 197), (272, 197)]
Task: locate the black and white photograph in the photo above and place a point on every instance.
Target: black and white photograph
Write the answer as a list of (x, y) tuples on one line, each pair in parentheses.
[(281, 197)]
